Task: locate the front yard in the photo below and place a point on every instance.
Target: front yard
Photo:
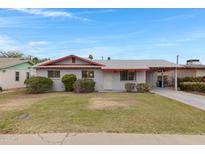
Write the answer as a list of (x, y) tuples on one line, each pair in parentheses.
[(97, 112)]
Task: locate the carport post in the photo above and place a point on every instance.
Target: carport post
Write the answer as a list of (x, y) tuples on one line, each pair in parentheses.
[(175, 79), (162, 79)]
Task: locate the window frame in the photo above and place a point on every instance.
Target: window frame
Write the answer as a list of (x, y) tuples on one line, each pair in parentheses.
[(17, 76), (86, 74), (123, 78), (128, 76), (52, 74), (133, 76)]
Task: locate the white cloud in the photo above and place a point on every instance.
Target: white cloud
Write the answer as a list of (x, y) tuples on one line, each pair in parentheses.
[(28, 48), (51, 13), (7, 43), (178, 17), (37, 43), (83, 41), (165, 44), (97, 11)]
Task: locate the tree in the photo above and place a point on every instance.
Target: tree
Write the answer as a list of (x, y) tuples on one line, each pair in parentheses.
[(11, 54), (35, 60), (90, 57), (108, 58)]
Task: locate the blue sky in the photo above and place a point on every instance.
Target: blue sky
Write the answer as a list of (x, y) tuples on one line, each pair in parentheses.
[(118, 33)]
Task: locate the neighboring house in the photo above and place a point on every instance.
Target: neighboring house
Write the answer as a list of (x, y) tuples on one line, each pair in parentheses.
[(13, 72), (193, 68), (108, 74)]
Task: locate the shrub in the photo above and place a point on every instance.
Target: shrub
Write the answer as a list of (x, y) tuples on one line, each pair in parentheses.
[(142, 87), (130, 87), (1, 89), (38, 84), (193, 86), (68, 81), (84, 85), (191, 79)]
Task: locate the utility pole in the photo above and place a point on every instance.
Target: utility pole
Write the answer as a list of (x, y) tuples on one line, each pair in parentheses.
[(176, 76), (177, 59)]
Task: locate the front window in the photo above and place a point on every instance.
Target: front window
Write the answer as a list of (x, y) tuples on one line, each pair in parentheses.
[(54, 74), (125, 75), (17, 74), (87, 74), (131, 75)]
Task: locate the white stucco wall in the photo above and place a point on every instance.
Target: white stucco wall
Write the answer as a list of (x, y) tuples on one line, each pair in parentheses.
[(98, 78), (7, 79), (200, 72), (119, 85), (151, 78), (58, 85)]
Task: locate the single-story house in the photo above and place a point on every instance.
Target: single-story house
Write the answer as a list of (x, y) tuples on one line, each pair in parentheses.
[(192, 68), (108, 74), (13, 72)]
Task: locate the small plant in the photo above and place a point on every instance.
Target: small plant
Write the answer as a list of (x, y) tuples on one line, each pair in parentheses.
[(130, 87), (38, 84), (68, 81), (84, 86), (1, 89), (143, 87)]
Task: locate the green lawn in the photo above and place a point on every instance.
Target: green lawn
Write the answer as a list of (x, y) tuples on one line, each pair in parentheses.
[(97, 112)]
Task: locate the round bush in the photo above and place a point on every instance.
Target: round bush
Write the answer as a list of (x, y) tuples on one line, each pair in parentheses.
[(68, 81), (84, 86), (1, 89), (130, 87), (143, 87), (38, 84)]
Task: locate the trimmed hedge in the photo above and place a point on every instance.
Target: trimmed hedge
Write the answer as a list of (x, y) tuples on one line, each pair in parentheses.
[(130, 87), (38, 84), (1, 89), (143, 87), (68, 81), (193, 86), (84, 86)]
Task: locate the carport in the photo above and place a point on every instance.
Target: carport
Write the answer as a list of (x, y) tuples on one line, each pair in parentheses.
[(164, 69)]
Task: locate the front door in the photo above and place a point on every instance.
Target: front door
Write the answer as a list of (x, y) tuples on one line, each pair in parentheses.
[(108, 81)]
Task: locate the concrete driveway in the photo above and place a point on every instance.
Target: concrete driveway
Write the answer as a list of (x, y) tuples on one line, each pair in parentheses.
[(100, 139), (184, 97)]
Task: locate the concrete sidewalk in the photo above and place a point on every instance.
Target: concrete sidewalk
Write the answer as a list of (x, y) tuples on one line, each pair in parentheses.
[(100, 138), (184, 97)]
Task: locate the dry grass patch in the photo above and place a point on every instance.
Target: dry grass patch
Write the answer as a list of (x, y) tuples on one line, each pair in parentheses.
[(101, 103), (20, 100)]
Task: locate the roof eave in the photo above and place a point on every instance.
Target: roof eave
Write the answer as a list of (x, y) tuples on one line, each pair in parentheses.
[(8, 66), (70, 56)]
